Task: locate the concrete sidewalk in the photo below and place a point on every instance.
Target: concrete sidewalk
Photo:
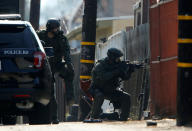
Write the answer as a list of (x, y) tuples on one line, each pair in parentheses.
[(162, 125)]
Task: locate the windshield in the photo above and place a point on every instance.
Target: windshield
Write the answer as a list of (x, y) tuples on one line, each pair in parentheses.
[(16, 37)]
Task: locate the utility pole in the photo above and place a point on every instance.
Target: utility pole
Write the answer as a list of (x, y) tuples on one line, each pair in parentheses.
[(35, 13), (184, 86), (88, 42)]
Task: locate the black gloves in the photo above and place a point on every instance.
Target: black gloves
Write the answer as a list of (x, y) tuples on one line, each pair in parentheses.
[(67, 72), (70, 67)]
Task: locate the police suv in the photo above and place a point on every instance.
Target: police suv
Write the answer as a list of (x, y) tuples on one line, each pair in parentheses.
[(25, 75)]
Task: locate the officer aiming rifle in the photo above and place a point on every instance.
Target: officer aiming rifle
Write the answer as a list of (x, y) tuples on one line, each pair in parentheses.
[(105, 81)]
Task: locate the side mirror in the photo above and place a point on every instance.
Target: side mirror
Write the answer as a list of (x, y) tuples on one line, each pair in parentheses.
[(49, 51)]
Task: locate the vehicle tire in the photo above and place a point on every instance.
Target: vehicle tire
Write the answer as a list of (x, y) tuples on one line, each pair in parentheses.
[(9, 120), (41, 115)]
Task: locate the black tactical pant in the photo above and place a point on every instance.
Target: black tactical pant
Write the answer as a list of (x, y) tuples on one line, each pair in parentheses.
[(119, 97), (69, 90), (67, 73), (53, 104)]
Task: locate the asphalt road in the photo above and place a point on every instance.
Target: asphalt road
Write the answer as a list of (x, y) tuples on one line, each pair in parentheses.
[(162, 125)]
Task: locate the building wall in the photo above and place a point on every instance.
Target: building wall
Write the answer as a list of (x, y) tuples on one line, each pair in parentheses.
[(105, 8), (145, 11), (141, 12), (122, 24), (109, 8), (163, 46), (105, 27), (152, 2), (124, 7)]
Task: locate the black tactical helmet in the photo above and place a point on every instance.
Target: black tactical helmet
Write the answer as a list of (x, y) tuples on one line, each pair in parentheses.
[(114, 53), (52, 24)]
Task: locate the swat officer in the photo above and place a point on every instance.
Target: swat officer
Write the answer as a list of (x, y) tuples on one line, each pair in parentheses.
[(61, 62), (105, 80)]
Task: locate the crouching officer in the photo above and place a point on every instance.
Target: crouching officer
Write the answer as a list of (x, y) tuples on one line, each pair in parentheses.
[(105, 80), (61, 62)]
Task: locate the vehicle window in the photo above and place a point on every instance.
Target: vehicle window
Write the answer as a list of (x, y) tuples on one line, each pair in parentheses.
[(16, 37)]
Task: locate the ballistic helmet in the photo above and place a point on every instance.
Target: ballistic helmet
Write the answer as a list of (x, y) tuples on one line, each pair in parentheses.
[(52, 24), (114, 53)]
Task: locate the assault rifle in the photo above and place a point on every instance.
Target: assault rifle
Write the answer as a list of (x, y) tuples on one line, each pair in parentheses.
[(127, 67), (132, 64)]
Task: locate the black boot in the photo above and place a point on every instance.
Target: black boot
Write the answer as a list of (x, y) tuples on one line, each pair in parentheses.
[(55, 121)]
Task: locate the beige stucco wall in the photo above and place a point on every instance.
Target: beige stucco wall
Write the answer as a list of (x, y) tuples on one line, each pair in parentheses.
[(105, 28), (119, 25), (124, 7)]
